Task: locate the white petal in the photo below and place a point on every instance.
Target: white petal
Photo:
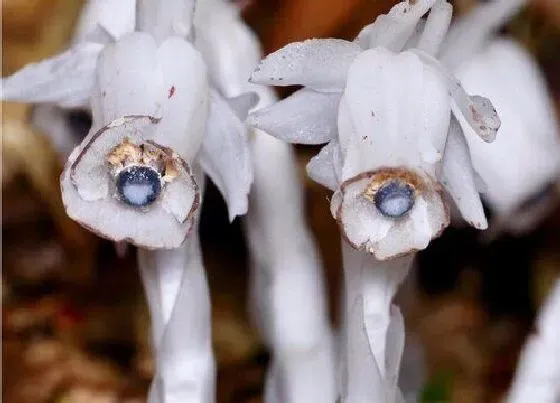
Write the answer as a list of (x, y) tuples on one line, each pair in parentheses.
[(322, 167), (114, 17), (225, 156), (478, 112), (526, 154), (66, 79), (360, 221), (394, 112), (426, 221), (185, 100), (128, 80), (306, 117), (221, 36), (459, 180), (88, 196), (166, 18), (320, 64), (394, 29), (436, 27), (135, 77)]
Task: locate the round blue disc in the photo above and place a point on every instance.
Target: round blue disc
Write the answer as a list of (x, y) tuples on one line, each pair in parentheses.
[(138, 186), (394, 198)]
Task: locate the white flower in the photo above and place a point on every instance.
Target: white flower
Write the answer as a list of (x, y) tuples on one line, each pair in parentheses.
[(520, 168), (390, 118), (156, 120)]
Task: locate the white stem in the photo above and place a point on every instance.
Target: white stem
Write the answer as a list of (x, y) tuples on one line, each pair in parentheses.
[(288, 300), (470, 32), (373, 330), (538, 373), (178, 298), (287, 287)]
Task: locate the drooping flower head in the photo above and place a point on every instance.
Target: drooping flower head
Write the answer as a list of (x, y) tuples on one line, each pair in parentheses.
[(393, 118), (520, 170), (156, 120)]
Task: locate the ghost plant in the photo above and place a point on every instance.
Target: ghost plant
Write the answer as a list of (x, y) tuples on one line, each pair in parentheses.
[(159, 116), (137, 175), (394, 120), (520, 169)]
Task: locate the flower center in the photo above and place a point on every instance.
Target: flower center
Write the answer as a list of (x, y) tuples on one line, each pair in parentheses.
[(394, 198), (138, 185)]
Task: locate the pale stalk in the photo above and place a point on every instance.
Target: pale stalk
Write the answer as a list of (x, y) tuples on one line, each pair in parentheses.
[(538, 373), (175, 284), (178, 298), (373, 334), (288, 297)]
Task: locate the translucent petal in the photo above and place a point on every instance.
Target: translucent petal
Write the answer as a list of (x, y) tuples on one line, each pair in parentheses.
[(365, 228), (66, 79), (360, 221), (87, 192), (320, 64), (225, 156), (128, 80), (426, 221), (221, 36), (185, 97), (394, 112), (526, 153), (135, 77), (478, 112), (458, 177), (436, 27), (322, 167), (306, 117), (394, 29)]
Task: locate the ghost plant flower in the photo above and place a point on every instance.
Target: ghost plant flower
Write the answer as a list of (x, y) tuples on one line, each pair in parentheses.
[(394, 123), (390, 120), (150, 103), (519, 170), (137, 176)]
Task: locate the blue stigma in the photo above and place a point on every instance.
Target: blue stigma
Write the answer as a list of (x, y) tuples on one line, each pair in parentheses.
[(394, 199), (138, 186)]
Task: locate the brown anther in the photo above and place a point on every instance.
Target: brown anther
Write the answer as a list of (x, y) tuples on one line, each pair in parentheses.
[(171, 171), (125, 153), (382, 176)]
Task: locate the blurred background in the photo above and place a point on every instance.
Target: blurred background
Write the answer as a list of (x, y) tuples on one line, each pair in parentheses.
[(74, 320)]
